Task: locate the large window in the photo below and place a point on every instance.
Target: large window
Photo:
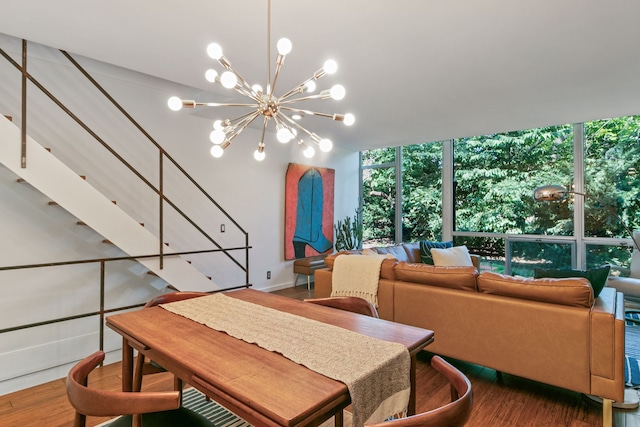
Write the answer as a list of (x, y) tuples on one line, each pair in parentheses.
[(494, 213), (379, 197), (495, 176)]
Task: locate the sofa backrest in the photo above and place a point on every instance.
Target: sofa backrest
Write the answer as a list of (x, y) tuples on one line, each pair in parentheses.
[(574, 291), (463, 278)]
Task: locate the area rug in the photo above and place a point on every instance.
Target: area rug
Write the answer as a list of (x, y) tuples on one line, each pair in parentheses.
[(632, 349), (219, 415)]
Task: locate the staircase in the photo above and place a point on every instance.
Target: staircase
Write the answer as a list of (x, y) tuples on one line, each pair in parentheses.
[(73, 193)]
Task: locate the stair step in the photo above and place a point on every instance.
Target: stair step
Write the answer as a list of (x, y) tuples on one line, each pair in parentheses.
[(24, 180), (109, 242), (84, 223)]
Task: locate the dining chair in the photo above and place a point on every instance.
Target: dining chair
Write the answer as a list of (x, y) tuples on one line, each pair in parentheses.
[(144, 367), (453, 414), (353, 304), (144, 409)]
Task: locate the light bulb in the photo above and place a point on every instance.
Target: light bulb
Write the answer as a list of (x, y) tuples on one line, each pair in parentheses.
[(175, 103), (310, 86), (330, 66), (296, 117), (257, 88), (349, 119), (217, 136), (258, 155), (337, 92), (217, 124), (284, 46), (214, 51), (284, 135), (325, 145), (211, 75), (309, 152), (217, 151), (228, 79)]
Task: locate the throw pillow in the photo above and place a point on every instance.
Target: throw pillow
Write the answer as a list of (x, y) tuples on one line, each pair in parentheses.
[(596, 276), (426, 246), (451, 257)]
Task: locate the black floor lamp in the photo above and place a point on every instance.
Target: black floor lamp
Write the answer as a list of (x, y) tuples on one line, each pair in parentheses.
[(558, 193)]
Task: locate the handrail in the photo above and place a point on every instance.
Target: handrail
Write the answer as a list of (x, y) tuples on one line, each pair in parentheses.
[(162, 154), (102, 311)]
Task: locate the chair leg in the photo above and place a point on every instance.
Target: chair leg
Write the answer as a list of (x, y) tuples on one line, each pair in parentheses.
[(607, 412), (177, 385), (137, 373)]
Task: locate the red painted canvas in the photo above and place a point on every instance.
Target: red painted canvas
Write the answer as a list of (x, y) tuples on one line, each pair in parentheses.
[(308, 211)]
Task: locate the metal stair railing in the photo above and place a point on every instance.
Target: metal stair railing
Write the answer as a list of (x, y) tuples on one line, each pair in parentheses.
[(162, 155)]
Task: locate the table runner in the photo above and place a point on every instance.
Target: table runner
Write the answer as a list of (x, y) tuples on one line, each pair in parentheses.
[(376, 372)]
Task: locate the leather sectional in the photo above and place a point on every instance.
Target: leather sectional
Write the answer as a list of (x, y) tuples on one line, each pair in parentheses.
[(548, 330)]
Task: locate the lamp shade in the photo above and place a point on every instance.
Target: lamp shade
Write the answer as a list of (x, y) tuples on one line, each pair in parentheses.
[(550, 193)]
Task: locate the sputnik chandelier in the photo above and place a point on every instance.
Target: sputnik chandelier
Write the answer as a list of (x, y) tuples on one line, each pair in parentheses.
[(266, 104)]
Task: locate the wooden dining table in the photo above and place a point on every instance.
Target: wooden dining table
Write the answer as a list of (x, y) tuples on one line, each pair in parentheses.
[(261, 386)]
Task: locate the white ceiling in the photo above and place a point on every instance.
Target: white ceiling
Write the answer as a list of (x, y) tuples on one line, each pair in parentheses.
[(415, 70)]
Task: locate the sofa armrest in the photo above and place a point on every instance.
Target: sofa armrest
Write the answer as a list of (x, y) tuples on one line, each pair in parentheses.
[(607, 345), (322, 283)]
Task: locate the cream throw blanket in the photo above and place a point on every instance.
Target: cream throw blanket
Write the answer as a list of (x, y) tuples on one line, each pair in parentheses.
[(357, 276), (376, 372)]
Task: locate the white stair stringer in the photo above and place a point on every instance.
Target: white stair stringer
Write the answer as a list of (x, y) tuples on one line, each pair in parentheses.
[(59, 183)]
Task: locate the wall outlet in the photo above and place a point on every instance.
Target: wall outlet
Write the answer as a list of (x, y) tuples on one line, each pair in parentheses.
[(268, 275), (222, 228)]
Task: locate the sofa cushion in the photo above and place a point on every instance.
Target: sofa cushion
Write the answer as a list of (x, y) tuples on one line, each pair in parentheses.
[(426, 246), (413, 251), (596, 276), (576, 291), (448, 277), (450, 257), (396, 251)]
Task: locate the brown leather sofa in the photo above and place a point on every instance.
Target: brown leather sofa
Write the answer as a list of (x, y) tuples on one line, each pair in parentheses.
[(547, 330)]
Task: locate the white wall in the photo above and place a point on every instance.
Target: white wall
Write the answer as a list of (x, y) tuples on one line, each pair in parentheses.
[(251, 192)]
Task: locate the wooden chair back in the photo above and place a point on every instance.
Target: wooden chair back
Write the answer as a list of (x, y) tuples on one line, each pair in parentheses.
[(454, 414), (96, 402)]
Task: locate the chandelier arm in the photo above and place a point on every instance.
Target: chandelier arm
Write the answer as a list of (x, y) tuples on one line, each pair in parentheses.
[(279, 62), (264, 130), (300, 127), (244, 88), (335, 116), (216, 104), (320, 95), (246, 122), (240, 119), (300, 88), (611, 212)]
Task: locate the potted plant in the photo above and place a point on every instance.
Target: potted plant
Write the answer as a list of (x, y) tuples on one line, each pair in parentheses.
[(348, 233)]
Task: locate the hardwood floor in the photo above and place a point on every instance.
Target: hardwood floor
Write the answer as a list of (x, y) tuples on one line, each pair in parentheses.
[(510, 401)]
